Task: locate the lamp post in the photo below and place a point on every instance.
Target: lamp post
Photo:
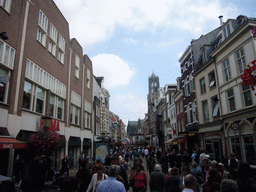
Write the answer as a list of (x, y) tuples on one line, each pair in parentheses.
[(46, 123)]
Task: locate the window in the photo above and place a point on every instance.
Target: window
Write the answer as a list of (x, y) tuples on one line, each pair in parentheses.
[(231, 100), (186, 88), (87, 117), (52, 103), (27, 96), (205, 110), (61, 49), (60, 108), (53, 40), (33, 98), (194, 111), (215, 107), (247, 95), (241, 60), (183, 125), (181, 106), (7, 54), (74, 114), (178, 108), (179, 126), (212, 81), (88, 78), (4, 74), (191, 85), (6, 4), (226, 68), (42, 29), (189, 113), (226, 31), (77, 66), (202, 85)]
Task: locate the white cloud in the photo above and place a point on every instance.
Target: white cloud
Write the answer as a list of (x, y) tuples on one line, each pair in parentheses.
[(116, 72), (131, 41), (95, 21), (130, 106)]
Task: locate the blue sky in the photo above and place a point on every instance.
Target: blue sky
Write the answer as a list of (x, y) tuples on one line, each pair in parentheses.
[(128, 40)]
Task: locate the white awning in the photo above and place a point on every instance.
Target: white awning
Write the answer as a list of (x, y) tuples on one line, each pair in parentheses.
[(210, 129)]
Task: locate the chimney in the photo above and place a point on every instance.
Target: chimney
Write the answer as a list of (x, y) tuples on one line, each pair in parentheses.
[(221, 20)]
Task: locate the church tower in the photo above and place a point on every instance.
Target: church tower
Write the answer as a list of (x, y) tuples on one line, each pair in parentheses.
[(153, 86)]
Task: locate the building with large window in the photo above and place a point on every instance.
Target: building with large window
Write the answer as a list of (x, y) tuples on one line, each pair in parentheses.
[(236, 48), (42, 73)]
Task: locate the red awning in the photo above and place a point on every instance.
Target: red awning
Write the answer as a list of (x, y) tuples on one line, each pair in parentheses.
[(11, 143)]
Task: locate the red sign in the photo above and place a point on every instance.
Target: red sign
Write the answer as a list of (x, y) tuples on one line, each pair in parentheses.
[(235, 126), (181, 140)]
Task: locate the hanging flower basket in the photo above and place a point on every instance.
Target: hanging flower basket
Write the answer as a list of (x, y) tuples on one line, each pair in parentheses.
[(45, 142), (249, 75)]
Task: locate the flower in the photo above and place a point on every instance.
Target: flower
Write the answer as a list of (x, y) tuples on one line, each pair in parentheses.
[(45, 141), (249, 75)]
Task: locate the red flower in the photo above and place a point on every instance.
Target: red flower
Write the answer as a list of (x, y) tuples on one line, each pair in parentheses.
[(249, 75)]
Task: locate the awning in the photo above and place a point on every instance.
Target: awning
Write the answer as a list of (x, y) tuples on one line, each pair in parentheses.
[(74, 142), (11, 143), (173, 139), (4, 131), (210, 129), (87, 142)]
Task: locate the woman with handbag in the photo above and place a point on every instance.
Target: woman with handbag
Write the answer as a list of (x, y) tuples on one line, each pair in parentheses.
[(138, 179)]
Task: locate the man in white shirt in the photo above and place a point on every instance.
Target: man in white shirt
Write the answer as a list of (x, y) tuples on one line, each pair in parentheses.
[(190, 183), (146, 152)]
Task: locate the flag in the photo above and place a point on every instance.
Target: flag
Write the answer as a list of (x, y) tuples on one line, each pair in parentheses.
[(174, 131)]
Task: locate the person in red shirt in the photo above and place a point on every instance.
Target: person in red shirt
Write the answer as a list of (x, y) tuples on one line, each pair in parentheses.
[(138, 178)]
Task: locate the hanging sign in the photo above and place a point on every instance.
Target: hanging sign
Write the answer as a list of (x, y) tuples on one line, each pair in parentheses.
[(235, 126)]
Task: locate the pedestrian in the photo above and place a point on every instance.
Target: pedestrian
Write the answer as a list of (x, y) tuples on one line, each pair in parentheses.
[(223, 173), (190, 183), (65, 165), (38, 172), (206, 168), (97, 178), (157, 179), (212, 184), (185, 172), (138, 178), (151, 163), (246, 179), (122, 172), (164, 162), (69, 184), (146, 153), (81, 157), (172, 183), (233, 163), (228, 185), (111, 184), (202, 156), (84, 175)]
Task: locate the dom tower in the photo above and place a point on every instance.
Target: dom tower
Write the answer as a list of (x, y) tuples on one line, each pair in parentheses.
[(153, 87)]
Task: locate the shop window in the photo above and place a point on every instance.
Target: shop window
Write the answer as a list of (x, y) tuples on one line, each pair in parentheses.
[(249, 150), (235, 145)]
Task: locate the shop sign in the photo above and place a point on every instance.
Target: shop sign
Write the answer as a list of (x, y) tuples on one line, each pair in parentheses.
[(235, 126), (181, 140), (7, 146), (213, 134), (174, 142)]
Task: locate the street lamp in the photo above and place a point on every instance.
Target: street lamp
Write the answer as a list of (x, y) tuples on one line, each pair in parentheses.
[(46, 122)]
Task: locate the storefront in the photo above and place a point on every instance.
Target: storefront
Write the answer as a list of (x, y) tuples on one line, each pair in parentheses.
[(7, 147), (212, 142), (87, 144), (74, 150), (242, 141)]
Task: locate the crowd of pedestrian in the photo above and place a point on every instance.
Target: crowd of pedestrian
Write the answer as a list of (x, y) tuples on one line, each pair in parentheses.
[(141, 169)]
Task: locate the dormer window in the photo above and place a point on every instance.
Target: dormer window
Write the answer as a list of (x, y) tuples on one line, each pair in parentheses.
[(226, 31)]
